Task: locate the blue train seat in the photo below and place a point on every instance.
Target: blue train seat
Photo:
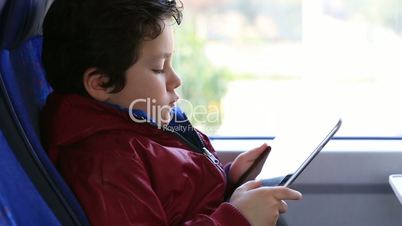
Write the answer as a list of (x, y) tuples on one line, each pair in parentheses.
[(20, 203), (23, 90)]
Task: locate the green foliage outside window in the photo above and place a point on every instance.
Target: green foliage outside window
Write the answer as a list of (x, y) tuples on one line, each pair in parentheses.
[(203, 84)]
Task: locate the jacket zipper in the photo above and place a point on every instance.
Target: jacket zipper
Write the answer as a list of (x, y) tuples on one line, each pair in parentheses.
[(215, 161)]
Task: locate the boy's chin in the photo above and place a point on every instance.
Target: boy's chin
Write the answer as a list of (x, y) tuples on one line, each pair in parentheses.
[(164, 121)]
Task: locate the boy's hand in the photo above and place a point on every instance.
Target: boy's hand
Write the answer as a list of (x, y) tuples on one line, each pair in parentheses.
[(262, 205), (243, 162)]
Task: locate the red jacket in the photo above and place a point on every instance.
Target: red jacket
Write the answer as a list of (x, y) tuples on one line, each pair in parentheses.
[(127, 173)]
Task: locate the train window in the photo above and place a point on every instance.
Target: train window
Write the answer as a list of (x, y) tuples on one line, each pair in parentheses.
[(247, 63)]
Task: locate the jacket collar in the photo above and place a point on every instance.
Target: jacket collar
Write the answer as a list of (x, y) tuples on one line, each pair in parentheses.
[(68, 118)]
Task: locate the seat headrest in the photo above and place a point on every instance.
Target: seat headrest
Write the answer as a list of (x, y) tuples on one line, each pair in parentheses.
[(21, 19)]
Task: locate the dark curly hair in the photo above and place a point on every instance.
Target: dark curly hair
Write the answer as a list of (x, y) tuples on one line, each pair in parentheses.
[(103, 34)]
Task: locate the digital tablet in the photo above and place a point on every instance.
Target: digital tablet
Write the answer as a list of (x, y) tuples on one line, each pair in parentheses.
[(295, 146)]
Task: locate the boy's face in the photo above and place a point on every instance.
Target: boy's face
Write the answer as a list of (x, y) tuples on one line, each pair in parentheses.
[(151, 81)]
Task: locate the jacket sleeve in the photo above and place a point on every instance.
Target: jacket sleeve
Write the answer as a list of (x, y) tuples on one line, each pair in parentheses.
[(119, 192), (230, 186), (224, 215)]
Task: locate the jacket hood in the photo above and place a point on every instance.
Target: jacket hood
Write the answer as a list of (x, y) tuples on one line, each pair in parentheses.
[(69, 118)]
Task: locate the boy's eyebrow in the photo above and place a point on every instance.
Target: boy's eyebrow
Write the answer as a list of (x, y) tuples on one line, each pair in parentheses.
[(161, 56)]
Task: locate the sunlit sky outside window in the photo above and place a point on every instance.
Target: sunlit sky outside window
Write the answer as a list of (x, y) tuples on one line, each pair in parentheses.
[(295, 57)]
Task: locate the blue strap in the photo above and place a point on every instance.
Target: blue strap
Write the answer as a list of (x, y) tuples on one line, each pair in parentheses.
[(181, 125)]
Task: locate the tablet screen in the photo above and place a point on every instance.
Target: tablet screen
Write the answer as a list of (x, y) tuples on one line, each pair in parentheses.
[(294, 147)]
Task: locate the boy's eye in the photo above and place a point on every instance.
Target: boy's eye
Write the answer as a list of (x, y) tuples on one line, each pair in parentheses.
[(158, 71)]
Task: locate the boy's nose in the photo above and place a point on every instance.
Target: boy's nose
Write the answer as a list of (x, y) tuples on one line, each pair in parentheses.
[(174, 81)]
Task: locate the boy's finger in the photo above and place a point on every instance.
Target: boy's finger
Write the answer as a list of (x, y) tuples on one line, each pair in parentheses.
[(250, 185), (254, 153), (284, 193), (283, 207)]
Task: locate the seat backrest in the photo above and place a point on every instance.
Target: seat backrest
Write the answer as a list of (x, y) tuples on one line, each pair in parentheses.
[(24, 89), (20, 203)]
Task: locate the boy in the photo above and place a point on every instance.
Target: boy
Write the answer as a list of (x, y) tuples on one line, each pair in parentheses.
[(109, 125)]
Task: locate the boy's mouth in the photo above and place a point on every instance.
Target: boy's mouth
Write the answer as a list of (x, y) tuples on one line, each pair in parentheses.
[(173, 102)]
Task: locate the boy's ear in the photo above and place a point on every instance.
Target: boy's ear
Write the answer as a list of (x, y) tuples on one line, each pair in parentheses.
[(93, 83)]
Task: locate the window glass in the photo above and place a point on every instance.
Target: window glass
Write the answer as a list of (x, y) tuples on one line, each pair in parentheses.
[(247, 64)]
